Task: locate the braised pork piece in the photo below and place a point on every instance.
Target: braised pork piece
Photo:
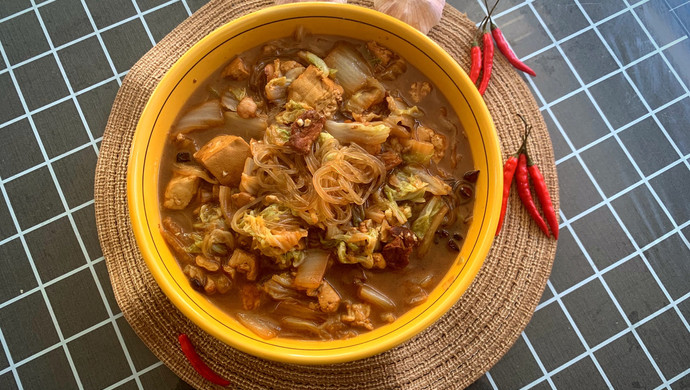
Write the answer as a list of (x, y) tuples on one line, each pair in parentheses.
[(316, 187)]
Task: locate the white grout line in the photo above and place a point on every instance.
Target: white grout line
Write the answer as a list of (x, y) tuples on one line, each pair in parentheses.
[(51, 282), (143, 22), (491, 381), (626, 190), (539, 363), (84, 37), (676, 378), (85, 253), (65, 79), (598, 188), (46, 222), (620, 334), (608, 268), (21, 237), (678, 6), (644, 179), (636, 167), (24, 11), (622, 129), (51, 160), (60, 344), (576, 329), (675, 14), (10, 361), (186, 7), (62, 100), (100, 41), (139, 373)]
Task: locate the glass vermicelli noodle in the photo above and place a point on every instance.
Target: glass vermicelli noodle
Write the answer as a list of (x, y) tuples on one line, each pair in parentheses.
[(316, 187)]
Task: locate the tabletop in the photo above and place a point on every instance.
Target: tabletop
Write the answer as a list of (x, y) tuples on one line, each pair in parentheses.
[(612, 85)]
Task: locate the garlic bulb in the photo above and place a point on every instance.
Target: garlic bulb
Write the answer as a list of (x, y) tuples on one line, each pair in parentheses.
[(420, 14), (297, 1)]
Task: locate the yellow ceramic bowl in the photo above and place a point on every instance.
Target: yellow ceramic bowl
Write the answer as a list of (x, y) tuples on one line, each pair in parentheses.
[(217, 49)]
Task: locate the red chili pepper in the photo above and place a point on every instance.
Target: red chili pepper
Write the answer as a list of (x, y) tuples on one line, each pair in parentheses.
[(476, 54), (488, 61), (503, 47), (543, 196), (522, 178), (198, 364), (508, 172)]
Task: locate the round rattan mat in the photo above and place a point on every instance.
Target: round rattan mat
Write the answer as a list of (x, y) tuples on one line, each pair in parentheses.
[(452, 353)]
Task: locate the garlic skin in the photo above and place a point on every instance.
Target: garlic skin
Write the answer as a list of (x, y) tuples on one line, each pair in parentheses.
[(279, 2), (420, 14)]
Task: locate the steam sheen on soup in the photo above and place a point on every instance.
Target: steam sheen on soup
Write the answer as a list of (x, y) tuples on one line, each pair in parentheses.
[(316, 187)]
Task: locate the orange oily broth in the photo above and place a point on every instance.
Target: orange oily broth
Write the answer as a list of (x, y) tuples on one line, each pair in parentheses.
[(395, 284)]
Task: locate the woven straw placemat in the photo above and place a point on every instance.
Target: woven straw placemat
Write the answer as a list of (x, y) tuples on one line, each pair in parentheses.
[(453, 353)]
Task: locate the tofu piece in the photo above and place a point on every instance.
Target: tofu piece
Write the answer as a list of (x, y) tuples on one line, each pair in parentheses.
[(180, 191), (236, 70), (316, 90), (224, 157), (244, 262), (329, 299)]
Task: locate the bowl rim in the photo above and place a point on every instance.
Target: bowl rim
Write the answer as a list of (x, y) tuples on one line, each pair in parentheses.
[(484, 240)]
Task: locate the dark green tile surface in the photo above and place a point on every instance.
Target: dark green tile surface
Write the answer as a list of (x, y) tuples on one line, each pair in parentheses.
[(581, 375), (560, 80), (589, 56), (669, 259), (60, 128), (41, 82), (17, 276), (34, 198), (106, 13), (141, 356), (96, 104), (668, 341), (49, 371), (570, 266), (577, 194), (81, 73), (596, 322), (76, 303), (20, 150), (85, 219), (12, 106), (99, 358), (27, 326), (65, 20), (648, 146), (554, 12), (618, 101), (126, 44), (635, 289), (626, 365), (54, 249), (517, 368), (163, 20), (22, 37), (642, 215), (610, 166), (75, 173), (553, 337), (672, 188), (626, 38)]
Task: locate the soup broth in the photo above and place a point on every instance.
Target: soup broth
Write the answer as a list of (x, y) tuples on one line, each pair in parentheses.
[(316, 187)]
